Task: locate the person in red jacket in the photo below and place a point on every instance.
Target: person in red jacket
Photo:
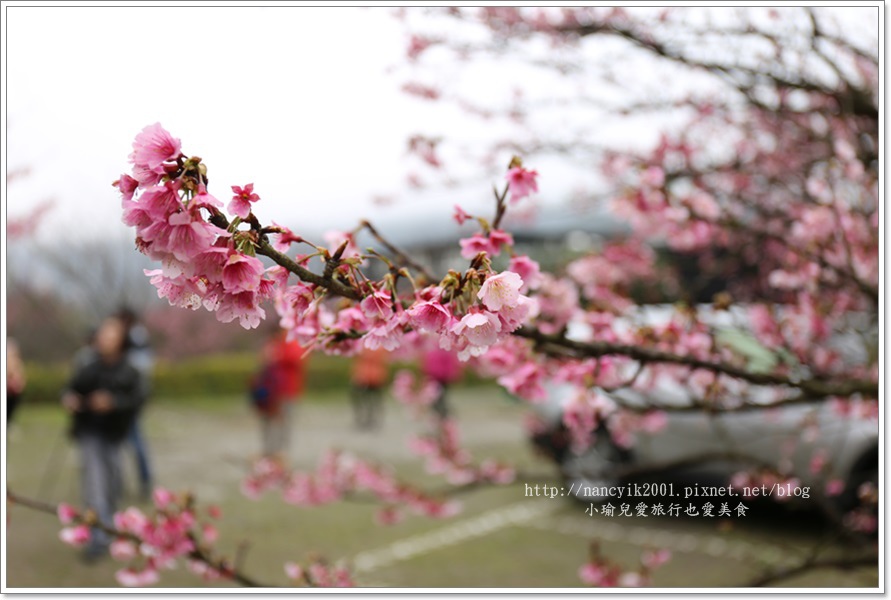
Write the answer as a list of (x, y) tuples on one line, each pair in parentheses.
[(282, 378)]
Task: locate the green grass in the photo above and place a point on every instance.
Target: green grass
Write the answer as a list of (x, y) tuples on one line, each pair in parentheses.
[(213, 375), (202, 444)]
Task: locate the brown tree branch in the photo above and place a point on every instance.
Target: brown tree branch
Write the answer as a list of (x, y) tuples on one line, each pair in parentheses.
[(560, 345), (332, 285), (810, 565)]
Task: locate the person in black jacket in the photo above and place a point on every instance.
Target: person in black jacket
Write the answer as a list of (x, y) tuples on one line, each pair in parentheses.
[(15, 379), (140, 355), (103, 396)]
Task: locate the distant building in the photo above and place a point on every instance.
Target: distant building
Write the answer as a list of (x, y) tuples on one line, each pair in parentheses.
[(551, 236)]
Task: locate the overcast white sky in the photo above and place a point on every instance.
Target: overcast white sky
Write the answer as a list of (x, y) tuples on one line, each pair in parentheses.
[(296, 100), (300, 101)]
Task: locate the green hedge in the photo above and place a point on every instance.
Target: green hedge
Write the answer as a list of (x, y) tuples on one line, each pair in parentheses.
[(217, 375)]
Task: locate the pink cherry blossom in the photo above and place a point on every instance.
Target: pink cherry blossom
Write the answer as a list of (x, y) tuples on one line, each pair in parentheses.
[(501, 290), (861, 521), (521, 182), (834, 487), (241, 273), (351, 318), (163, 498), (512, 317), (816, 224), (284, 238), (385, 335), (499, 238), (622, 426), (475, 244), (704, 206), (204, 200), (653, 421), (75, 536), (500, 359), (525, 382), (818, 462), (417, 45), (123, 549), (460, 216), (66, 513), (130, 577), (653, 176), (528, 270), (240, 205), (161, 201), (146, 176), (496, 472), (652, 559), (411, 393), (132, 520), (209, 533), (294, 300), (596, 575), (136, 214), (377, 306), (293, 571), (421, 91), (244, 306), (480, 328), (209, 264), (179, 291), (584, 412), (180, 235), (429, 316), (127, 186), (153, 147), (203, 570)]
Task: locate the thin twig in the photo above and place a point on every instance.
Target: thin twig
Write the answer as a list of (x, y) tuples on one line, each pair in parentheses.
[(404, 258)]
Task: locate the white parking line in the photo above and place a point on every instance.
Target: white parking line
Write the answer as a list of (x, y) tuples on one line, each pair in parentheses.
[(663, 538), (456, 533)]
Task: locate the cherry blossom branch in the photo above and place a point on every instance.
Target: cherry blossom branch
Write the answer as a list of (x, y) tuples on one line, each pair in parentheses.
[(264, 248), (158, 540), (500, 206), (560, 345), (332, 285), (220, 565)]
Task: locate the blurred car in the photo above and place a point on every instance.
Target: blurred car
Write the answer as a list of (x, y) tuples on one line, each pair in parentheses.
[(697, 449)]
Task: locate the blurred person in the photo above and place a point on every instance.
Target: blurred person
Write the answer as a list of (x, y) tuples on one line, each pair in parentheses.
[(369, 377), (139, 353), (103, 397), (443, 367), (15, 378), (275, 390)]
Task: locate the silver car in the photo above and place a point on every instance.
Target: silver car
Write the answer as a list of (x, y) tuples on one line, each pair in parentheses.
[(825, 456)]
